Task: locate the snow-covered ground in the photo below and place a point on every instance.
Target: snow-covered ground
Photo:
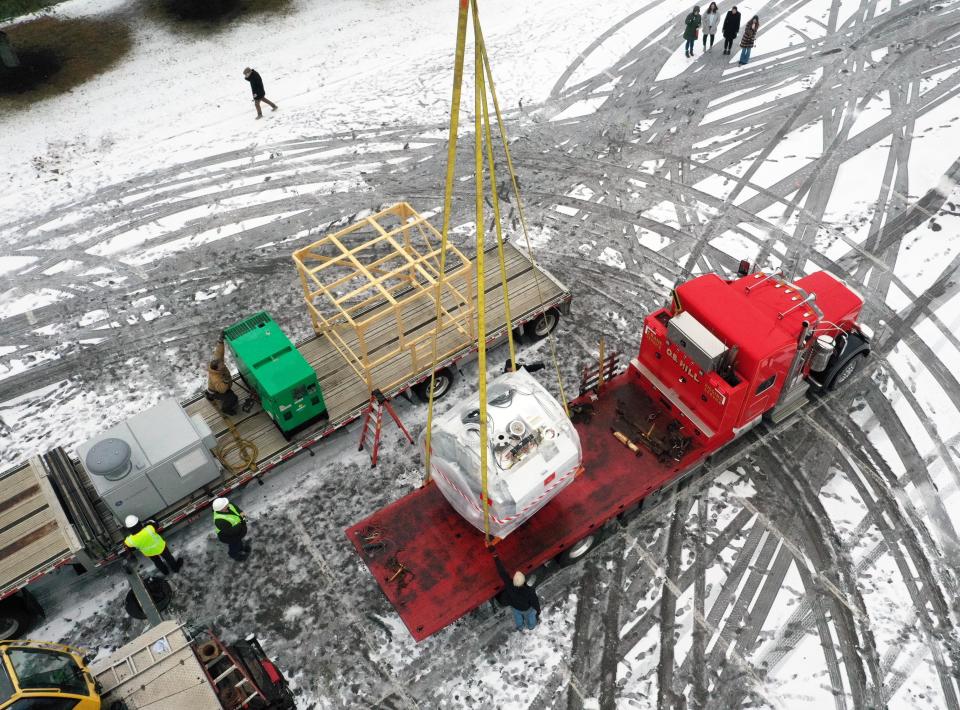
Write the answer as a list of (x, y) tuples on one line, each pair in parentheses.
[(814, 566)]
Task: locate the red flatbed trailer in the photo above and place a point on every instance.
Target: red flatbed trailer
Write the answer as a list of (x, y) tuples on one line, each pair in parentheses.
[(722, 356), (450, 572)]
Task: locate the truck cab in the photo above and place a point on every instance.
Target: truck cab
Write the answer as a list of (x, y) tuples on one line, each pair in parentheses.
[(36, 674), (726, 352)]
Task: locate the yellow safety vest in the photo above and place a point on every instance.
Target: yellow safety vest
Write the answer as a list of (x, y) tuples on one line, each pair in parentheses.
[(147, 540), (232, 517)]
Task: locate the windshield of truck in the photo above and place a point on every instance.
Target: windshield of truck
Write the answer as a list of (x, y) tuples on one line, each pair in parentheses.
[(41, 668), (6, 686)]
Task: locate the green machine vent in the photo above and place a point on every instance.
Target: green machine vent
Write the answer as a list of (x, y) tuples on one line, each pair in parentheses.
[(246, 326), (282, 378)]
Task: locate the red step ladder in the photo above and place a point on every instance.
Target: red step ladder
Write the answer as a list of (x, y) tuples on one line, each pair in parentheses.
[(378, 402)]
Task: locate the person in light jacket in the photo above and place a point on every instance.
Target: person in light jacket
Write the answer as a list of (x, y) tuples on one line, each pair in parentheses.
[(749, 39), (711, 18), (731, 28), (691, 29)]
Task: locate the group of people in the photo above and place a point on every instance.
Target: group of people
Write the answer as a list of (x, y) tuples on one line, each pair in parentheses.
[(228, 520), (709, 22)]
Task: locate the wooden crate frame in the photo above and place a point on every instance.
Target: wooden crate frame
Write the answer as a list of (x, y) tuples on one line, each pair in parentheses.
[(363, 284)]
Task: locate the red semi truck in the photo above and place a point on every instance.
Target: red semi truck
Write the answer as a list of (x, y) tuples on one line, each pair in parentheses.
[(724, 355)]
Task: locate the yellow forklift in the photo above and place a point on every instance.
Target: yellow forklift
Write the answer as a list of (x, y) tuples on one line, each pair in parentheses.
[(37, 674), (170, 666)]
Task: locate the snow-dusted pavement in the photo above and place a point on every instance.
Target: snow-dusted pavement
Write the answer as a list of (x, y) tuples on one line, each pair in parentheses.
[(815, 565)]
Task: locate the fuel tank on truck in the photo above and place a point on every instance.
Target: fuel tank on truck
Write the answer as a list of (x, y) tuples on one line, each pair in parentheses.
[(533, 453)]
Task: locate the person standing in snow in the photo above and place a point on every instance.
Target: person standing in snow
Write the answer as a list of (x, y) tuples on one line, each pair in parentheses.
[(231, 525), (259, 94), (749, 39), (691, 29), (220, 382), (731, 28), (711, 19), (520, 597)]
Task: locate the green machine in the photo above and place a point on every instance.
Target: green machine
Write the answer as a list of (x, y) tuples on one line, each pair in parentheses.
[(280, 375)]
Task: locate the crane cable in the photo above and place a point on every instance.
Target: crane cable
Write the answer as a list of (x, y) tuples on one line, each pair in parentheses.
[(445, 230), (483, 76), (523, 219), (481, 271)]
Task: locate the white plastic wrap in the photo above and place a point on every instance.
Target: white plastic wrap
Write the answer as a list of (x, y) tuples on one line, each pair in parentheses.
[(533, 453)]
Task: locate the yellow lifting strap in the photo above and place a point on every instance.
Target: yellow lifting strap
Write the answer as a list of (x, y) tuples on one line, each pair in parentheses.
[(447, 200), (483, 147), (523, 219), (481, 272)]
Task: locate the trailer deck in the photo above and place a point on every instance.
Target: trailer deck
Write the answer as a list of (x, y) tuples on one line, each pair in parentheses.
[(344, 390), (34, 533), (40, 531), (446, 572), (157, 669)]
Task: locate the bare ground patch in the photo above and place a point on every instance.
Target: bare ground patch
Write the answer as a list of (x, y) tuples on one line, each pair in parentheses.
[(59, 54), (204, 16)]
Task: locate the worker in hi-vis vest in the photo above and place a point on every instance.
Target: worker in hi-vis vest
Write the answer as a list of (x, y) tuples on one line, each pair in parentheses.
[(146, 539), (231, 525)]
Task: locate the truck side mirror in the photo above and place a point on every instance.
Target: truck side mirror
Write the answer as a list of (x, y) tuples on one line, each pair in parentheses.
[(744, 268)]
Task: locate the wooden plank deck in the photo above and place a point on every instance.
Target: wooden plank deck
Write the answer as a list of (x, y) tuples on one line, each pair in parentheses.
[(33, 531), (345, 392)]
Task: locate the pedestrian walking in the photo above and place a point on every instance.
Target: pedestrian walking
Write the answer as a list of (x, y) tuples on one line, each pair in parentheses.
[(259, 94), (231, 525), (220, 382), (692, 29), (749, 39), (144, 537), (520, 597), (731, 28), (711, 18)]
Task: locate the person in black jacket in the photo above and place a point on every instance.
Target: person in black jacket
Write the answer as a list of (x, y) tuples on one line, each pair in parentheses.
[(259, 94), (731, 28), (518, 596), (231, 525)]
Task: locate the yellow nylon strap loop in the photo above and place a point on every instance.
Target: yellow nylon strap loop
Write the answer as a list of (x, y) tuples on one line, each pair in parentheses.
[(523, 219), (481, 268), (447, 200), (495, 200)]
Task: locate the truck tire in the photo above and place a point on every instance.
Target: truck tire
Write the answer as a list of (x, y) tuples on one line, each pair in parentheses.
[(443, 381), (16, 618), (578, 550), (846, 371), (543, 325), (160, 591)]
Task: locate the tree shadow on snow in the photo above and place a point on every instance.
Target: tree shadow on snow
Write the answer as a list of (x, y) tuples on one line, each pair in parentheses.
[(211, 15), (56, 55)]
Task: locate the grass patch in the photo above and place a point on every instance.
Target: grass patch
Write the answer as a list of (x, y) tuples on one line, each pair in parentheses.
[(15, 8), (211, 15), (57, 55)]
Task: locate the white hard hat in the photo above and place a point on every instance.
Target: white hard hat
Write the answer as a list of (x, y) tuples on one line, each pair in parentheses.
[(519, 579), (220, 504), (131, 521)]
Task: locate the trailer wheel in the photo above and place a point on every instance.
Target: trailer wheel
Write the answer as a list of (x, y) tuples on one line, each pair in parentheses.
[(15, 619), (846, 371), (443, 381), (160, 591), (578, 550), (544, 324)]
